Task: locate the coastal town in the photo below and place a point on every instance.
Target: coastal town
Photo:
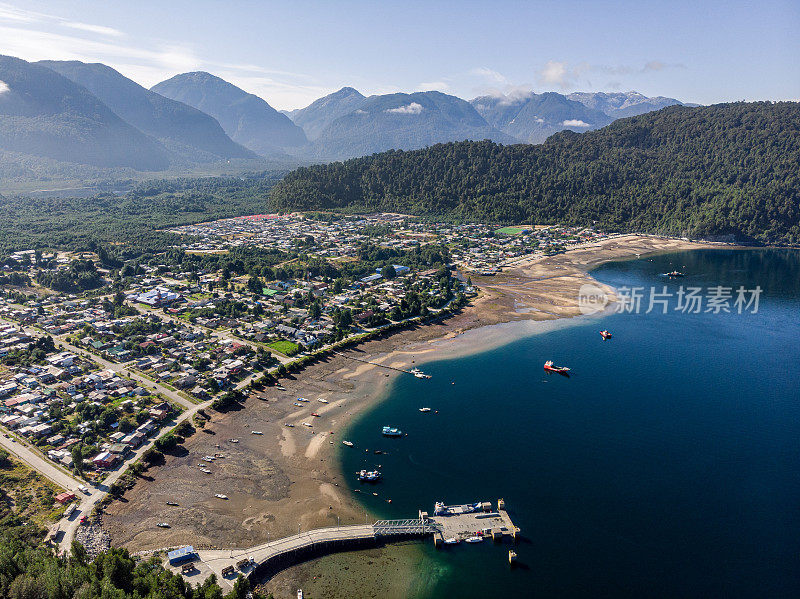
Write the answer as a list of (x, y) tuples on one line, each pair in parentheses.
[(108, 365)]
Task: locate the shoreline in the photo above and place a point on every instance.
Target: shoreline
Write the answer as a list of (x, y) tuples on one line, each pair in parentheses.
[(293, 476)]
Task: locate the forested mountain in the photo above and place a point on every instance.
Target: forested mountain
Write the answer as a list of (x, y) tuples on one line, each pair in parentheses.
[(404, 121), (532, 118), (622, 104), (182, 128), (721, 170), (45, 115), (247, 118), (321, 113)]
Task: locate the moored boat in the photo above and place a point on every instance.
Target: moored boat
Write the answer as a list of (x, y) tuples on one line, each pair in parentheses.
[(605, 334), (348, 443), (452, 541), (369, 476), (424, 409), (390, 431), (473, 539), (550, 367)]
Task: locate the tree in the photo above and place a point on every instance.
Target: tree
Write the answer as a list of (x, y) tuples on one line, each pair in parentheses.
[(77, 458), (315, 310), (389, 271)]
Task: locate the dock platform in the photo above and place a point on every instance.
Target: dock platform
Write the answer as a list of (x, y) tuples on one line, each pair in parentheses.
[(264, 561), (460, 522)]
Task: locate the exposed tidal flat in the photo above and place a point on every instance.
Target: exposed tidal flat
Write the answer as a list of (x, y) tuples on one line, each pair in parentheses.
[(501, 418), (665, 466)]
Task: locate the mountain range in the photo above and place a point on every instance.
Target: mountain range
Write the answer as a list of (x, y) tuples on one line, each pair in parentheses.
[(79, 118), (245, 117), (178, 126)]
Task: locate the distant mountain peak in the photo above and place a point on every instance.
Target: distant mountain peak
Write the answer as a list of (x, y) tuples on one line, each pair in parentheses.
[(247, 118), (183, 128)]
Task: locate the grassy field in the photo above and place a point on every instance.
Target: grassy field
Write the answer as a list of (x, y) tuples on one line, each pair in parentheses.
[(511, 230), (27, 494), (287, 348)]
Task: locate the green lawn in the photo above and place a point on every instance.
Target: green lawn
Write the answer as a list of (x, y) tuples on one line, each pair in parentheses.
[(510, 230), (287, 348)]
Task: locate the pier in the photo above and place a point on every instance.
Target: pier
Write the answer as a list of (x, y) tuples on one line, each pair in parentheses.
[(264, 561), (460, 522), (415, 372)]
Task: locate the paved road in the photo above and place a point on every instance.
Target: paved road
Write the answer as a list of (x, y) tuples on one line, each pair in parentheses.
[(46, 468), (87, 503), (41, 464)]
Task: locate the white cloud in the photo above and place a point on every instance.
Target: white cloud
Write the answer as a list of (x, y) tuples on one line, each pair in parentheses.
[(412, 108), (3, 87), (490, 75), (556, 73), (565, 76), (431, 86), (575, 123), (99, 29)]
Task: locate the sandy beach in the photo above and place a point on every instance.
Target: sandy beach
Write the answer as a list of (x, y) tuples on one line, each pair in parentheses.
[(289, 477)]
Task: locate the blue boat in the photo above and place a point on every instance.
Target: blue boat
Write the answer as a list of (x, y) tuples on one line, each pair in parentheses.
[(389, 431)]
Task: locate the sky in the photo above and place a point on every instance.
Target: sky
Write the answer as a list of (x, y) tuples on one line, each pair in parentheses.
[(292, 52)]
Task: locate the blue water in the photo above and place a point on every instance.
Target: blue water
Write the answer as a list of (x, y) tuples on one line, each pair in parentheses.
[(666, 466)]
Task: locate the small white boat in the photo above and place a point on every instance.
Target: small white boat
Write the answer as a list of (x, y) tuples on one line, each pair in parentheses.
[(234, 440), (256, 433), (302, 399), (348, 443), (299, 593), (162, 524), (452, 541), (320, 400), (473, 539), (308, 424), (205, 470), (289, 424), (424, 409), (220, 496)]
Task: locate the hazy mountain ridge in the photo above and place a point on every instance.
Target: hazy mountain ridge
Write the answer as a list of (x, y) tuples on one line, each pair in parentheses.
[(623, 104), (246, 118), (402, 121), (182, 128), (77, 114), (532, 118), (45, 114), (315, 117)]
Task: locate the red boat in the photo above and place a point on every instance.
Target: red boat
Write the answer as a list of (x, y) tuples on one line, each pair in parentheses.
[(548, 366), (605, 334)]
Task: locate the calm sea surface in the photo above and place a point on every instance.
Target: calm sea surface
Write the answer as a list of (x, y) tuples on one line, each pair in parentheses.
[(668, 465)]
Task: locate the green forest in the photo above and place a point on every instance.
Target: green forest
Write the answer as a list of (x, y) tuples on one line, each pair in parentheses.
[(723, 171), (130, 222)]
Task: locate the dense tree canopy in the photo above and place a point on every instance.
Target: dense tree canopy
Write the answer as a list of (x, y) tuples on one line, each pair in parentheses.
[(727, 169)]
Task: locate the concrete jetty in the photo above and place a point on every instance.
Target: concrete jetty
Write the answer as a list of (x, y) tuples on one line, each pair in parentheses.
[(264, 561)]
